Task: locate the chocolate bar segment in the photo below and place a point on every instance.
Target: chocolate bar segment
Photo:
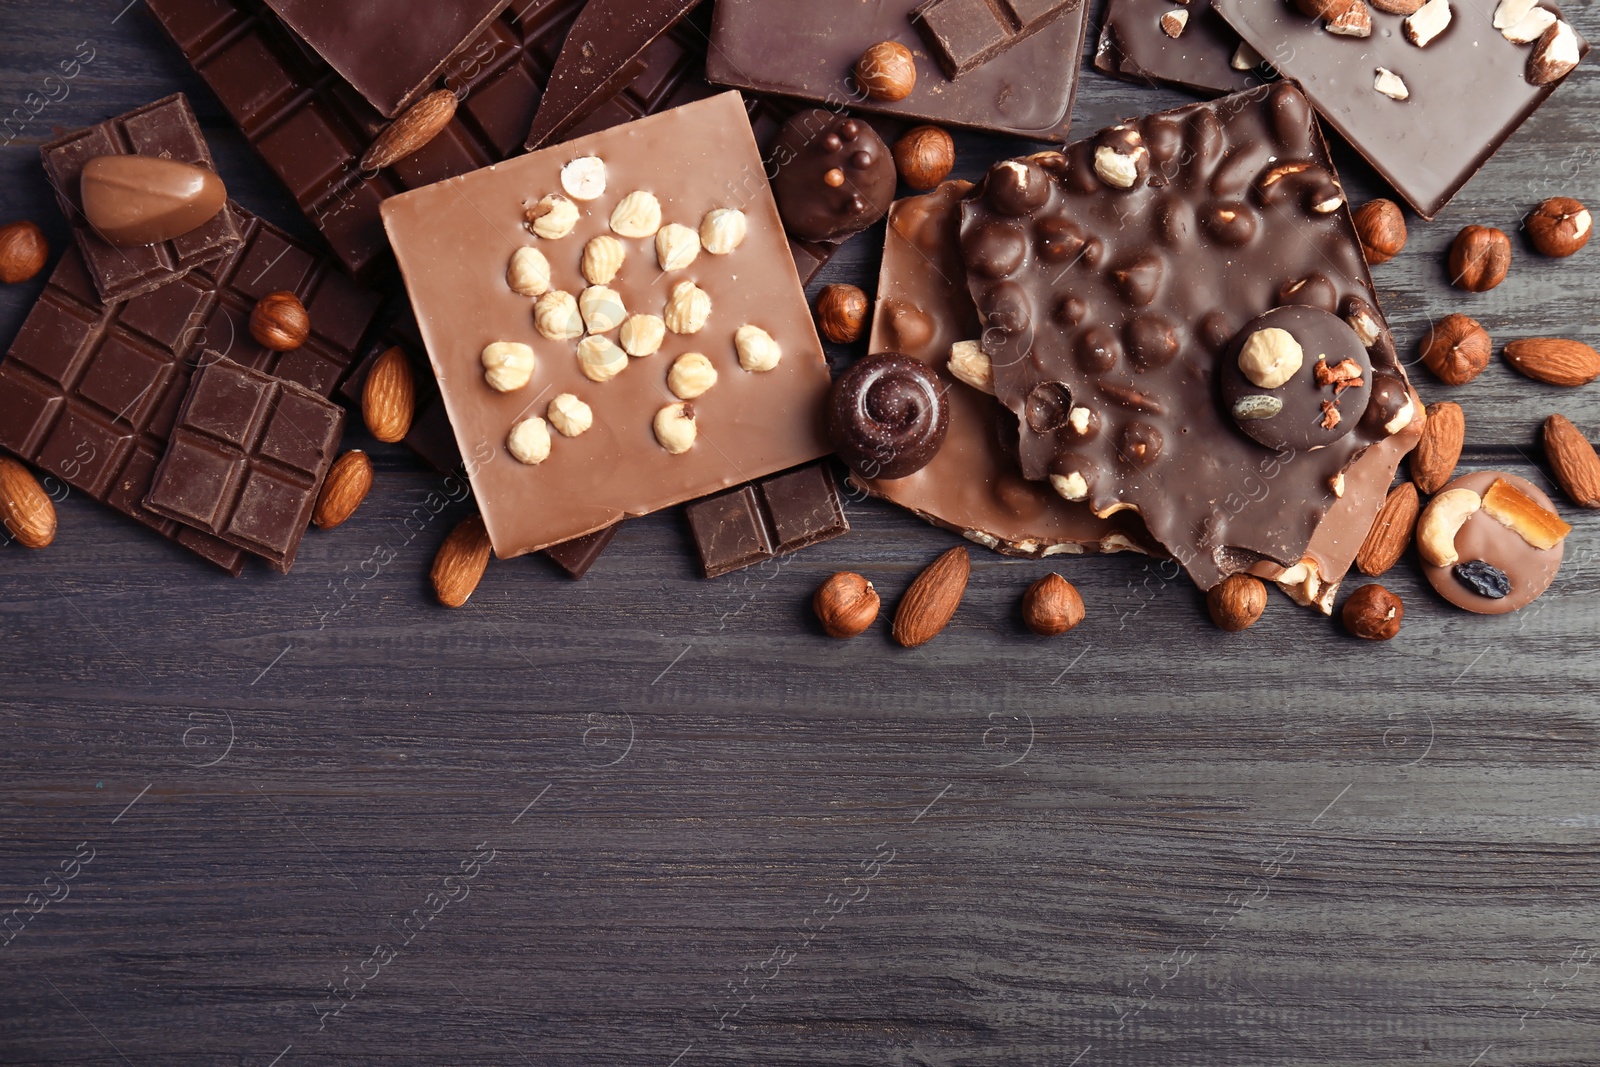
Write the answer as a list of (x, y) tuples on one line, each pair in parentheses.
[(1116, 276), (809, 50), (89, 391), (388, 50), (966, 34), (1204, 55), (165, 129), (767, 519), (1467, 89), (247, 458), (578, 555)]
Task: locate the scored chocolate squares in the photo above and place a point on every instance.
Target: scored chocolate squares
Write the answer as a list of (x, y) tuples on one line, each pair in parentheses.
[(767, 519), (1132, 282), (247, 458), (615, 323)]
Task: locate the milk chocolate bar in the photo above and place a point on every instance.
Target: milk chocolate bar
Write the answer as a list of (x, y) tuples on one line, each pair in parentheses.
[(698, 264), (966, 34), (1187, 45), (388, 50), (809, 50), (1122, 282), (1426, 117), (767, 519), (165, 129), (89, 391), (247, 458), (973, 485)]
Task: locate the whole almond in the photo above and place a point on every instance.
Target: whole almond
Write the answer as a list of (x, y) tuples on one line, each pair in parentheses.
[(462, 559), (1391, 531), (389, 398), (406, 135), (1439, 451), (25, 508), (1554, 360), (1573, 459), (348, 482), (933, 598)]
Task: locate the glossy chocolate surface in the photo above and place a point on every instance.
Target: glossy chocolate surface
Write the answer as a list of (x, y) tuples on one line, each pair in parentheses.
[(1134, 46), (972, 486), (454, 241), (833, 176), (1120, 302), (1484, 537), (966, 34), (1468, 90), (766, 519), (165, 129), (141, 200), (809, 50), (1313, 408), (887, 416)]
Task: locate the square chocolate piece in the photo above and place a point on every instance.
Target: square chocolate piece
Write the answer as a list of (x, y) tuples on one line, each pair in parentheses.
[(165, 129), (89, 391), (809, 50), (966, 34), (649, 191), (388, 50), (1189, 46), (1425, 117), (767, 519), (247, 459)]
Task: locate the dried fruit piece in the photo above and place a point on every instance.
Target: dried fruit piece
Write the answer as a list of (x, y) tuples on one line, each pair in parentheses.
[(1554, 360), (1439, 450), (1539, 526), (1574, 461), (933, 598), (1484, 578)]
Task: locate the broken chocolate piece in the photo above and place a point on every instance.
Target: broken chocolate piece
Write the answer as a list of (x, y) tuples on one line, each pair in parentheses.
[(966, 34), (766, 519)]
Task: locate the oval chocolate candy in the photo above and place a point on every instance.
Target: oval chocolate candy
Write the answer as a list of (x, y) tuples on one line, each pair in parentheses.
[(1323, 397), (142, 200), (835, 176)]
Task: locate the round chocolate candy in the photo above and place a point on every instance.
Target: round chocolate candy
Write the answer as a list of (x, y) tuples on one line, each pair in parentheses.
[(888, 415), (1297, 377), (835, 176), (1497, 569)]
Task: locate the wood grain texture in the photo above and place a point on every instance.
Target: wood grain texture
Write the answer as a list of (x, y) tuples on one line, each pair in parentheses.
[(721, 838)]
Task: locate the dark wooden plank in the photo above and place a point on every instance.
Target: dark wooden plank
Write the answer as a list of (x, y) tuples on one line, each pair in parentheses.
[(1147, 842)]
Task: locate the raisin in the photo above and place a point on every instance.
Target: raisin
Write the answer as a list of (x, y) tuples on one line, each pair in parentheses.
[(1485, 579)]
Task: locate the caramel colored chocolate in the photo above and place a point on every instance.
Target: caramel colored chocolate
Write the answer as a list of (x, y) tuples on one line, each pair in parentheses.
[(141, 200), (1484, 538), (972, 486), (1112, 277), (454, 241)]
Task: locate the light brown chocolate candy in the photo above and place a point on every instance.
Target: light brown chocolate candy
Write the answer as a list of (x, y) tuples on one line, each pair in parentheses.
[(143, 200), (1485, 539)]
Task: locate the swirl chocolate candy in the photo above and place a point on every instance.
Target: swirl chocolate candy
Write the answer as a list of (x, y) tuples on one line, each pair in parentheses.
[(835, 176), (888, 416), (1119, 274)]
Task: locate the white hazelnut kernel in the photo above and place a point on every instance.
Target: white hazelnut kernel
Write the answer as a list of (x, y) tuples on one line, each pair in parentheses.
[(969, 364), (555, 315), (723, 230), (553, 217), (639, 215), (1070, 486), (692, 375), (642, 335), (529, 272), (602, 259), (757, 350), (1271, 357), (676, 246), (675, 428), (569, 415), (507, 365), (601, 308), (600, 360), (530, 441), (584, 178), (688, 308)]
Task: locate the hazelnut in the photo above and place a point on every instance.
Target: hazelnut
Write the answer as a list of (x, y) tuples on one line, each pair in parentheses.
[(639, 215), (1456, 349), (1479, 258), (507, 366), (602, 259), (1120, 159), (1373, 613), (887, 71), (757, 350), (677, 246), (1051, 606), (552, 218), (675, 428), (23, 251), (600, 360), (584, 178), (723, 230), (1271, 357), (692, 375), (924, 156), (279, 322), (569, 415), (555, 315), (1560, 226), (970, 364), (1237, 602), (1381, 229), (688, 308), (601, 309), (529, 272), (529, 441), (642, 335), (842, 313), (846, 604)]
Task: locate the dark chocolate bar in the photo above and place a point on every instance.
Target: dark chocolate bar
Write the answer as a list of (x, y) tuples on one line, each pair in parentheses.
[(89, 391), (311, 128), (1187, 45), (247, 458), (966, 34), (767, 518), (579, 554), (388, 50), (165, 129)]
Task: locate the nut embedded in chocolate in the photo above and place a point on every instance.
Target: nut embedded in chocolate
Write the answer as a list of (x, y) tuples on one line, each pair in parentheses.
[(279, 322), (835, 176), (887, 71), (887, 416), (1456, 349), (1480, 258), (1560, 226)]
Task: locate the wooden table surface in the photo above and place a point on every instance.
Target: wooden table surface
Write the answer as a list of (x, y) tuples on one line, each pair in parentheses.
[(649, 819)]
